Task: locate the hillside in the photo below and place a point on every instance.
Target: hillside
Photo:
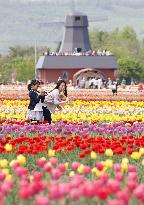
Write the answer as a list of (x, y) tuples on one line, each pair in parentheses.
[(21, 19)]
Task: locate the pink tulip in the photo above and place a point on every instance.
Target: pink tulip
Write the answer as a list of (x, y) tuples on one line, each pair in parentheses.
[(42, 200), (2, 176), (36, 187), (99, 166), (5, 188), (75, 165), (77, 180), (53, 160), (1, 201), (54, 192), (47, 167), (119, 176), (104, 178), (117, 167), (16, 164), (62, 167), (132, 168), (64, 189), (131, 185), (138, 192), (56, 174), (21, 171), (75, 194), (87, 169), (113, 186), (88, 190), (10, 183), (123, 195), (24, 193), (98, 183), (41, 162), (24, 183), (132, 176), (37, 176)]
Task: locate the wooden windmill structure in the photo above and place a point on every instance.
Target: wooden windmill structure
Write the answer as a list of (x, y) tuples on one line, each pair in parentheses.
[(75, 39), (76, 36)]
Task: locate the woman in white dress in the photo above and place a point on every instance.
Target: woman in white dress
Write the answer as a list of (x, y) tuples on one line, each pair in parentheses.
[(53, 100)]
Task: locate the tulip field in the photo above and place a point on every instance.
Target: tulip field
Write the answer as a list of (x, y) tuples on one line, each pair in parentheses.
[(91, 154)]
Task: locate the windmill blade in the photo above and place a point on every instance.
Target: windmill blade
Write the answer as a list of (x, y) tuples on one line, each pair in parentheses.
[(52, 23), (100, 18)]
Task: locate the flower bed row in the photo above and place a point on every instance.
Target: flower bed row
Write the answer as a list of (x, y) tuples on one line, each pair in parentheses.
[(80, 111), (70, 183)]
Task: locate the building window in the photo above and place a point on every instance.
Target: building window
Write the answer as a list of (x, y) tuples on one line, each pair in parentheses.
[(77, 18)]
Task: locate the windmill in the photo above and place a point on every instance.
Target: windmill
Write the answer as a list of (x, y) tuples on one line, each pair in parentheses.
[(72, 61), (76, 37)]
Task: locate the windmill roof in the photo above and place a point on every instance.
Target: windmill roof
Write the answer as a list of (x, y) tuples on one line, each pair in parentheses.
[(76, 13), (74, 62)]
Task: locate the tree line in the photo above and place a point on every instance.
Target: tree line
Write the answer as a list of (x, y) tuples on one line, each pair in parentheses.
[(124, 44)]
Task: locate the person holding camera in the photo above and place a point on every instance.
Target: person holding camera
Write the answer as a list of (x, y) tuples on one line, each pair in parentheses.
[(55, 99)]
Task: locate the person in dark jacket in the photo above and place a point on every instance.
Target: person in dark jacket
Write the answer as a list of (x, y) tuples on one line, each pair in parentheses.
[(35, 99)]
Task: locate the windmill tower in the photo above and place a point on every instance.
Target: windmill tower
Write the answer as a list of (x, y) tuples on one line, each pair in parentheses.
[(76, 37)]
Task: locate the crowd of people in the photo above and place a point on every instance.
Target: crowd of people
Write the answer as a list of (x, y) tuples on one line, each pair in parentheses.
[(79, 53), (93, 82)]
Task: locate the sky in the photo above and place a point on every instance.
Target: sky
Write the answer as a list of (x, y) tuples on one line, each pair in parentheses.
[(20, 19)]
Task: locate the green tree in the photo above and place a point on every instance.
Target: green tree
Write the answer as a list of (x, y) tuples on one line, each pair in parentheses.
[(99, 39), (121, 43), (25, 68), (130, 68), (5, 70)]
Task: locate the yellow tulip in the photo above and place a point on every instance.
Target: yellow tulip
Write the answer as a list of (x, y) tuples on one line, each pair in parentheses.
[(3, 163), (124, 167), (141, 151), (12, 163), (108, 163), (6, 171), (21, 159), (93, 170), (93, 155), (8, 177), (8, 147), (125, 160), (136, 155), (98, 173), (109, 152), (80, 169), (51, 153), (66, 165), (72, 173)]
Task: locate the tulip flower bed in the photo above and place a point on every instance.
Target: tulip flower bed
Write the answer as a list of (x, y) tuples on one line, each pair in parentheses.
[(93, 154), (12, 92), (81, 111)]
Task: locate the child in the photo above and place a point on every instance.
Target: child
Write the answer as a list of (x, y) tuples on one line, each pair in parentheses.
[(114, 88), (35, 113)]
